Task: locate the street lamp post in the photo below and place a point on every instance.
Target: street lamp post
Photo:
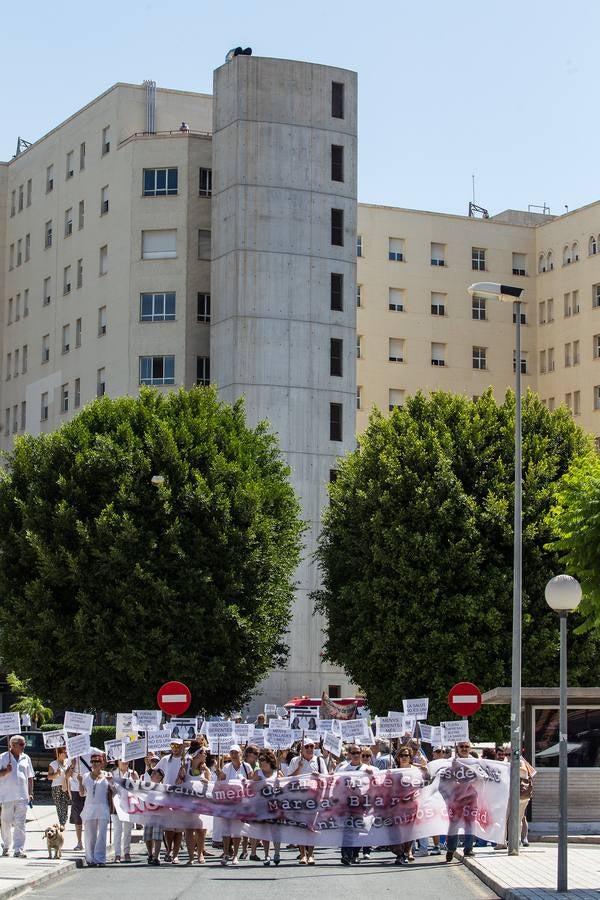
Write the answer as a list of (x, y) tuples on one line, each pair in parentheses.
[(563, 594), (510, 294)]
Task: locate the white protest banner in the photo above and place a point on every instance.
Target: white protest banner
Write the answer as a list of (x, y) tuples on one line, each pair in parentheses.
[(389, 726), (185, 728), (270, 709), (78, 722), (305, 717), (26, 720), (416, 708), (243, 732), (452, 732), (126, 727), (353, 729), (10, 723), (134, 749), (54, 739), (158, 741), (147, 719), (333, 743), (78, 745), (223, 730), (203, 727), (112, 750), (278, 739)]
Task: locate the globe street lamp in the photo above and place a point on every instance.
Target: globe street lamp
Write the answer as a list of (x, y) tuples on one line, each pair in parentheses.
[(510, 294), (563, 594)]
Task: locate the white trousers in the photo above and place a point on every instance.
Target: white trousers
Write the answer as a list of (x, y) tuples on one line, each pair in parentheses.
[(121, 836), (13, 817), (94, 838)]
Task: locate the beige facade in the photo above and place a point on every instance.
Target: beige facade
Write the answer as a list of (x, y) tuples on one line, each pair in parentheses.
[(418, 329)]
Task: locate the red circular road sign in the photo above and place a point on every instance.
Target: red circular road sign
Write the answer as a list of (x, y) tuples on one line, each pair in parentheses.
[(174, 698), (464, 699)]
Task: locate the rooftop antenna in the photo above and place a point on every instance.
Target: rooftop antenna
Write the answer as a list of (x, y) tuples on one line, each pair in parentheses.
[(22, 144), (473, 208)]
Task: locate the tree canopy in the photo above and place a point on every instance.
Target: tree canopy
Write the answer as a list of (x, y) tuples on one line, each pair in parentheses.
[(112, 585), (416, 551)]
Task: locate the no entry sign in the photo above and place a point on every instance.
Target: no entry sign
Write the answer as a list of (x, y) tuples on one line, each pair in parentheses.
[(464, 699), (174, 698)]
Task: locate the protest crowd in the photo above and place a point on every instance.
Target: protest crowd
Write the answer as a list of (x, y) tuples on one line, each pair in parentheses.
[(396, 786)]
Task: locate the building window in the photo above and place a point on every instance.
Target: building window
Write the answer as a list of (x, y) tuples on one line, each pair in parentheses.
[(337, 99), (46, 294), (24, 355), (395, 398), (23, 414), (204, 243), (576, 403), (106, 140), (522, 317), (81, 213), (523, 363), (202, 308), (542, 312), (337, 162), (45, 348), (48, 234), (29, 192), (15, 427), (104, 200), (542, 362), (596, 346), (396, 249), (519, 264), (67, 280), (438, 354), (478, 259), (8, 374), (336, 292), (20, 198), (79, 273), (576, 353), (157, 370), (567, 355), (44, 407), (567, 305), (7, 421), (438, 304), (479, 358), (359, 295), (27, 247), (160, 182), (551, 359), (13, 201), (17, 307), (438, 254), (49, 179), (16, 368), (101, 382), (159, 244), (103, 260), (10, 311), (158, 307), (64, 398), (478, 308), (396, 350), (336, 349), (575, 302), (337, 227), (205, 183), (82, 156), (78, 332), (359, 245), (550, 306), (70, 170), (358, 397), (66, 338), (11, 256), (359, 346), (101, 321), (19, 251), (77, 394), (395, 299), (333, 475), (335, 421), (575, 252), (25, 303), (203, 370), (592, 245)]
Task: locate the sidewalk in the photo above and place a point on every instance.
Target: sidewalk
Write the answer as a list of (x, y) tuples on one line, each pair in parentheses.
[(18, 875), (532, 874)]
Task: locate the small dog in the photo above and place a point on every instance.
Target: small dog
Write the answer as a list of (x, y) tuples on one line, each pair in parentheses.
[(55, 840)]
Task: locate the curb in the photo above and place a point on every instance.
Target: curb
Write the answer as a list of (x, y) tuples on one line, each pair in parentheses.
[(36, 881)]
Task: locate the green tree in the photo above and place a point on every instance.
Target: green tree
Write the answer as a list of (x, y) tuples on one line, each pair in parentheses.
[(416, 552), (112, 585), (27, 703), (575, 523)]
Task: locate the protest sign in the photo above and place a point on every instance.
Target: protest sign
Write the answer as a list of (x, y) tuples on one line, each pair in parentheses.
[(147, 719), (258, 739), (126, 727), (270, 709), (243, 732), (54, 739), (282, 711), (112, 750), (279, 724), (222, 730), (353, 729), (416, 708), (333, 743), (158, 740), (278, 739), (78, 745), (455, 731), (305, 718), (78, 722), (134, 749), (389, 726), (430, 734), (410, 724), (185, 728), (10, 723), (325, 725)]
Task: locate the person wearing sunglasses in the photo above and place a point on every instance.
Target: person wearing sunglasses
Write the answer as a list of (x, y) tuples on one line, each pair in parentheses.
[(267, 772), (16, 791), (95, 786), (195, 837), (307, 763), (175, 771), (404, 760)]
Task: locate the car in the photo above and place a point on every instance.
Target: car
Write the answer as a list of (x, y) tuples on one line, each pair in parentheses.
[(40, 756)]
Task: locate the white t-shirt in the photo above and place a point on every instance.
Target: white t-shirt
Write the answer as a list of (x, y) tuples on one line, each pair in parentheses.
[(15, 785), (232, 774), (348, 767), (60, 780), (80, 768), (96, 798), (316, 764), (170, 767)]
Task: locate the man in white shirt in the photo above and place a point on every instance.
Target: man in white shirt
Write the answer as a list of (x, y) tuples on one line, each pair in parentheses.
[(16, 790)]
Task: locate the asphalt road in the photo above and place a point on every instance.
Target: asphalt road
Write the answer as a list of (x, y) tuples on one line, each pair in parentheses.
[(427, 878)]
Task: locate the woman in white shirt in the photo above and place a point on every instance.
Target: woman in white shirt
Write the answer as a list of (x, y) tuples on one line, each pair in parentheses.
[(122, 830), (236, 770), (95, 787), (57, 774)]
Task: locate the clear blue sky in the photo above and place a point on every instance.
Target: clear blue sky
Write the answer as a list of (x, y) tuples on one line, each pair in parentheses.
[(503, 89)]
